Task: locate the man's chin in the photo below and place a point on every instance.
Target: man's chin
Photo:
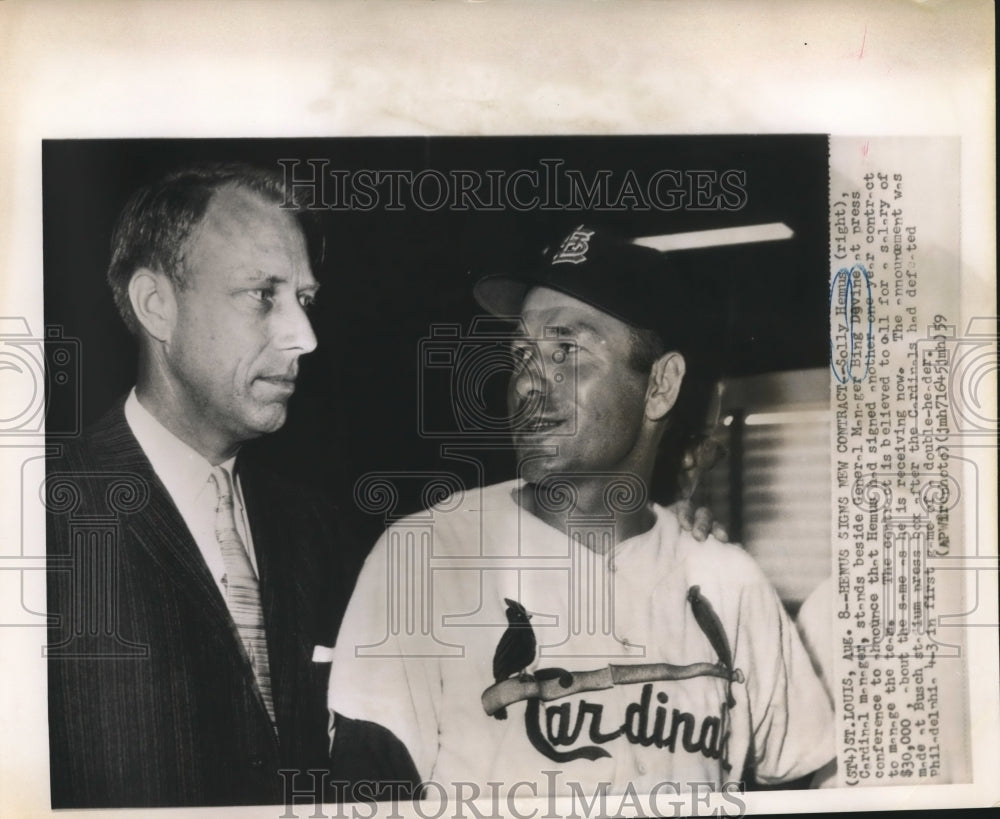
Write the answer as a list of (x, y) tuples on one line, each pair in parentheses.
[(268, 418), (536, 469)]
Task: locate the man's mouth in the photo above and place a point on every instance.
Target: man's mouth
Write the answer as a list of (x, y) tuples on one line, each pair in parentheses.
[(284, 382), (539, 425)]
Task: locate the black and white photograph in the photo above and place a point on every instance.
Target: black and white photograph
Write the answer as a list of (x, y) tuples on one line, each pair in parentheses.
[(417, 471), (531, 337)]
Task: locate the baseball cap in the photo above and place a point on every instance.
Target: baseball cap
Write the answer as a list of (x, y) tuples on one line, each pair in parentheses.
[(632, 283)]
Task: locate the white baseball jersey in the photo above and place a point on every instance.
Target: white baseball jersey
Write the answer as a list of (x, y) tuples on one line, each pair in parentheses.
[(631, 682)]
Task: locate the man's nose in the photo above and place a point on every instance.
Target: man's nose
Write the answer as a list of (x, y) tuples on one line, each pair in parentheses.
[(535, 375), (296, 332), (521, 388)]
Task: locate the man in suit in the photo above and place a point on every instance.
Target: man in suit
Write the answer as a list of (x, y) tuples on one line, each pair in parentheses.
[(191, 594)]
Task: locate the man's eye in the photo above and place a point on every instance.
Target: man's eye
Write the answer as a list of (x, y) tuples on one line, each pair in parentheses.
[(265, 295), (307, 300)]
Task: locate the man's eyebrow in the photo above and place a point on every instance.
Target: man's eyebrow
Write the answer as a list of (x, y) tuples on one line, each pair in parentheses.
[(571, 330), (259, 277)]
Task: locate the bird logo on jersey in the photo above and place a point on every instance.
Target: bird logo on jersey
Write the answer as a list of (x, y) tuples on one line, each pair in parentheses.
[(646, 721), (516, 649)]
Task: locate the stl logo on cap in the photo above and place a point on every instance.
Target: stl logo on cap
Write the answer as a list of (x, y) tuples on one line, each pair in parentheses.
[(574, 247)]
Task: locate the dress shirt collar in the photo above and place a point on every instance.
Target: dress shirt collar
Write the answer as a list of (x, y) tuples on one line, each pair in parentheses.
[(184, 471), (185, 475)]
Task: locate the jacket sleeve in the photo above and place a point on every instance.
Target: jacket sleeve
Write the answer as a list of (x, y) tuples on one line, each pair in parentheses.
[(370, 763)]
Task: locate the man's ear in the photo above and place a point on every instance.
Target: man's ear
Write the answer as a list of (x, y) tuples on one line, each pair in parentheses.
[(154, 302), (664, 385)]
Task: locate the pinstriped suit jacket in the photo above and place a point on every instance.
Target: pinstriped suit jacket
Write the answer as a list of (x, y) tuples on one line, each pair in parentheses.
[(152, 701)]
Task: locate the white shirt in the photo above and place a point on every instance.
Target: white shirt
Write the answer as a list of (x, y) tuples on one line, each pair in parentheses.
[(425, 677), (186, 476)]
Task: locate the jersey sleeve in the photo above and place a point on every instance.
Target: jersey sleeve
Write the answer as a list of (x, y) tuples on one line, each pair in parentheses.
[(791, 717), (815, 626), (376, 674)]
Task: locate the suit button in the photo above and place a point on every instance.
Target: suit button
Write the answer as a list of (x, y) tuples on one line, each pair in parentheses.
[(256, 763)]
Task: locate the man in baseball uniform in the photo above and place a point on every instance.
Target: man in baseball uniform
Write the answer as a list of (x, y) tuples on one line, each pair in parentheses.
[(561, 630)]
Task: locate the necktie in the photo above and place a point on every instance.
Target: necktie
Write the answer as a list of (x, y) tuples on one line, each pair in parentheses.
[(240, 584)]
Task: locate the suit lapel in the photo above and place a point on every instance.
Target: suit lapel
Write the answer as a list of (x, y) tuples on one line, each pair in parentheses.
[(159, 530), (162, 533)]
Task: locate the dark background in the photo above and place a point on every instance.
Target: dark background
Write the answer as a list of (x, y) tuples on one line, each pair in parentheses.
[(388, 276)]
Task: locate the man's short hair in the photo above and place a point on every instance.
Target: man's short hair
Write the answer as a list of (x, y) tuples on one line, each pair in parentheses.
[(646, 348), (154, 226)]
